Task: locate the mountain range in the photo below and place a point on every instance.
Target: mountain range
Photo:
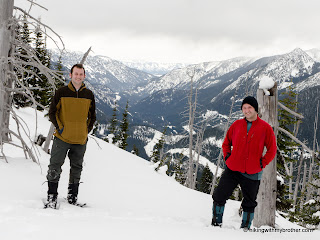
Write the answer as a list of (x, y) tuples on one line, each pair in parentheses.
[(157, 101)]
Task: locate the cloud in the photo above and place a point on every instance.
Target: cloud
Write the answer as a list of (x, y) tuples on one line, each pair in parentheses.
[(187, 25)]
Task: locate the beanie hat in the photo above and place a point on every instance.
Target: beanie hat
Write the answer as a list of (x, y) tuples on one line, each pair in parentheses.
[(251, 101)]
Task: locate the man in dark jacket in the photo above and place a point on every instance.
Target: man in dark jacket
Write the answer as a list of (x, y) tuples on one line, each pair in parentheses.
[(72, 112), (244, 162)]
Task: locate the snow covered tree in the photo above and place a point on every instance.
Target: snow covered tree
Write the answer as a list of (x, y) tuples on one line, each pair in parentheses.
[(135, 150), (124, 128), (179, 174), (157, 153), (113, 124), (158, 148)]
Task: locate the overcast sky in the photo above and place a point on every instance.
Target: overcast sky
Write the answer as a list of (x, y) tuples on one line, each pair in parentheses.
[(190, 31)]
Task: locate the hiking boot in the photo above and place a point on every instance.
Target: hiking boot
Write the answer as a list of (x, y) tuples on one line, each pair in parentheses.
[(247, 218), (217, 214)]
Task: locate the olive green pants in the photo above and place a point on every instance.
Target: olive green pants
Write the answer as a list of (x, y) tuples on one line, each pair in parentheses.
[(59, 151)]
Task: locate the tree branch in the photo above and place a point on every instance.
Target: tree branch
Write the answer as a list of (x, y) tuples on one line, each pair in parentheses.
[(296, 140), (290, 111)]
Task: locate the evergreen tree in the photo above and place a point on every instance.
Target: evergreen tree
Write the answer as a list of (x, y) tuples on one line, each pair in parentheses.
[(286, 147), (308, 215), (42, 95), (178, 171), (205, 181), (60, 81), (286, 121), (124, 128), (135, 150), (158, 148), (113, 124)]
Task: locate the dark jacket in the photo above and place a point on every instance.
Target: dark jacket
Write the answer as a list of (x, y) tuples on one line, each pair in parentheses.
[(73, 113), (246, 155)]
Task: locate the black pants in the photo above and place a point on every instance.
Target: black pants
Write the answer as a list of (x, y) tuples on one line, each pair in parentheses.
[(229, 181), (59, 151)]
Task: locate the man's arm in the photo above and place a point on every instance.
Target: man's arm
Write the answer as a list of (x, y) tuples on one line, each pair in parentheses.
[(53, 112), (271, 145), (92, 114), (227, 143)]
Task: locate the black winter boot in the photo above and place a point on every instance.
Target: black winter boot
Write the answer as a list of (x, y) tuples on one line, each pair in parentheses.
[(52, 195), (73, 190)]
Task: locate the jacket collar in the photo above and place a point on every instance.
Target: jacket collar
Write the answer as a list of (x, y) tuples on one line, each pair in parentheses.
[(72, 88), (256, 121)]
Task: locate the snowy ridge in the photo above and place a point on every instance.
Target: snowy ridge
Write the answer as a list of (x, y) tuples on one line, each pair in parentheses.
[(314, 53), (102, 70), (310, 82), (287, 66), (180, 78), (154, 68), (281, 68)]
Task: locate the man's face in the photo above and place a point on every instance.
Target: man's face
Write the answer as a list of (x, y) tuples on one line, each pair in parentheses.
[(249, 112), (77, 76)]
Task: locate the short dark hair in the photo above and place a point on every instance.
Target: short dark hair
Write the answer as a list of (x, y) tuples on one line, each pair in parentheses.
[(78, 65)]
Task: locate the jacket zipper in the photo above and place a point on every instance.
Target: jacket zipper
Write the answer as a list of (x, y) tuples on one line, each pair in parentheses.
[(247, 143)]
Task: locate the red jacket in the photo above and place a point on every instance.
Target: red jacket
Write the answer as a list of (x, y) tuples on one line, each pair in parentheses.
[(246, 155)]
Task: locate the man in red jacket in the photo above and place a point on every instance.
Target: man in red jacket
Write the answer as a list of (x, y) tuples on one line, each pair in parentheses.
[(243, 154)]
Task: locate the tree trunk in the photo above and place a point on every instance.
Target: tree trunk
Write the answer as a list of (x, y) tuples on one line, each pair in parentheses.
[(265, 211), (303, 186), (190, 172), (297, 180), (6, 9), (290, 179)]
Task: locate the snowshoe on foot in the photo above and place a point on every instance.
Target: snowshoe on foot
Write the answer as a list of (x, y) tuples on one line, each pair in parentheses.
[(72, 196), (52, 201)]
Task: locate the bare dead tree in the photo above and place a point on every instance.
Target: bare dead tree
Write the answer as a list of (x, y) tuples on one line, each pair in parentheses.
[(303, 187), (6, 11), (13, 65), (198, 149), (296, 188), (265, 211), (192, 110), (310, 187)]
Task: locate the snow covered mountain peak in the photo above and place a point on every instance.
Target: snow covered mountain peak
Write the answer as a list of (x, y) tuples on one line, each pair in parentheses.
[(287, 66)]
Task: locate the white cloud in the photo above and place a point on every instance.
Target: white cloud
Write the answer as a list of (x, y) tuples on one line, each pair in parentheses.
[(184, 30)]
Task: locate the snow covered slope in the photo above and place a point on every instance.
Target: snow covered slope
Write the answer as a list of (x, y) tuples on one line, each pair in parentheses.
[(126, 200)]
